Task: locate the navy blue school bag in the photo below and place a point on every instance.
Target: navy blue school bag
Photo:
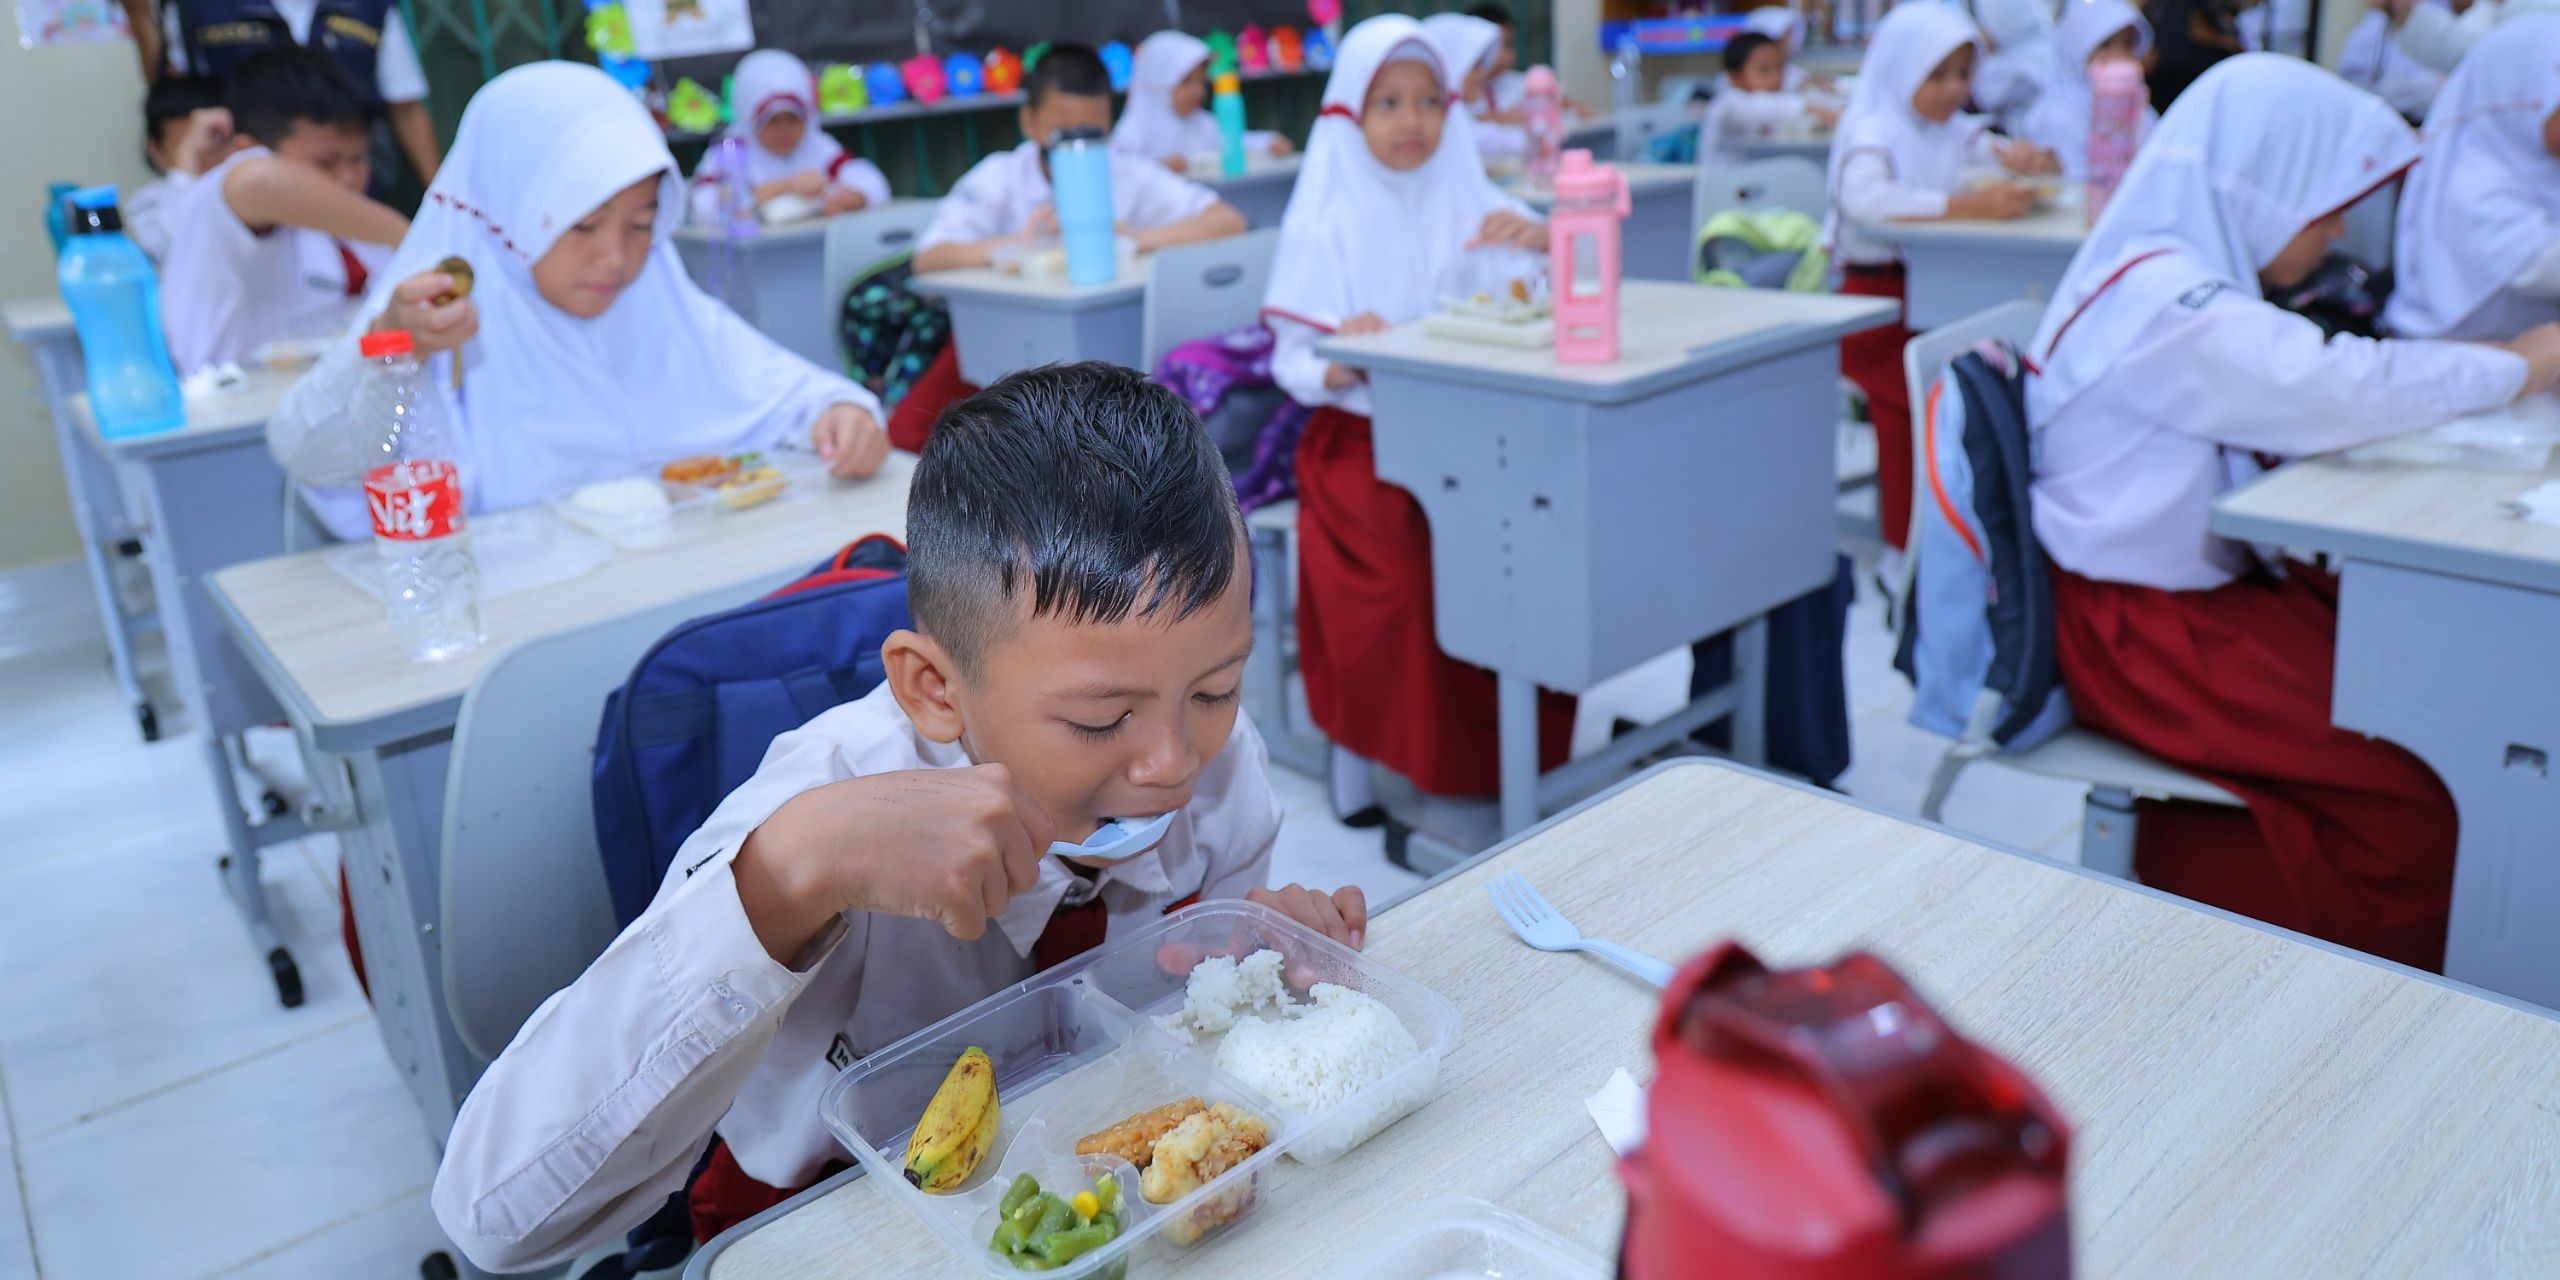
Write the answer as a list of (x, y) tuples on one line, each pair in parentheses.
[(695, 717), (1978, 631)]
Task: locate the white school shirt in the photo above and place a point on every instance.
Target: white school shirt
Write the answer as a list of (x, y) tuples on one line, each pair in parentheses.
[(2128, 471), (2371, 60), (396, 73), (998, 195), (148, 212), (1871, 191), (228, 290), (685, 1026), (848, 171), (1735, 116)]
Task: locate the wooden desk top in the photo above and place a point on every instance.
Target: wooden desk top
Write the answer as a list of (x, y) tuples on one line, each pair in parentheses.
[(36, 316), (1038, 291), (324, 648), (2246, 1103), (1668, 334), (2438, 519), (215, 419), (2055, 228)]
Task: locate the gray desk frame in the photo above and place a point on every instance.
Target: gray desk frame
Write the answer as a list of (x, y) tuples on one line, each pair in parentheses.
[(1962, 269), (1000, 330)]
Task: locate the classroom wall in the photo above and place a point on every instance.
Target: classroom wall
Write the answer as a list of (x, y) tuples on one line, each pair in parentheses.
[(1579, 64), (76, 115)]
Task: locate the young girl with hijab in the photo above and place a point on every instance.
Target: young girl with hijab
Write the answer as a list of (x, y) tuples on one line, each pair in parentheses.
[(1786, 27), (586, 351), (2165, 380), (1469, 48), (2479, 243), (2007, 78), (1388, 199), (1900, 154), (2091, 31), (1166, 117), (787, 153)]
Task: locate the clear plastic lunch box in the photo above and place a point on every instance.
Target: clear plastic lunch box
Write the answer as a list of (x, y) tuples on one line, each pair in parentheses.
[(1461, 1237), (1077, 1049), (803, 475)]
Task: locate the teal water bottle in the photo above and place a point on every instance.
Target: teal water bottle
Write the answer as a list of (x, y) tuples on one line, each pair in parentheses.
[(114, 297), (57, 213), (1080, 182), (1227, 102)]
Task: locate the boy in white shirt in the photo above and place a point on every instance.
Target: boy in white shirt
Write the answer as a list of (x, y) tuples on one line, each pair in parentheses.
[(278, 240), (1079, 640), (1755, 102), (186, 130)]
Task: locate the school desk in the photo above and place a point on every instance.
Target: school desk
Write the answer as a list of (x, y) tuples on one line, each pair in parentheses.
[(1959, 267), (2245, 1102), (1654, 239), (1586, 517), (98, 509), (782, 285), (208, 495), (1003, 321), (1812, 144), (381, 727), (1261, 192), (2448, 606)]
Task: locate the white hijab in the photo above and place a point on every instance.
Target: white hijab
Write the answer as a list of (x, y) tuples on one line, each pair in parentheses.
[(2258, 148), (769, 83), (2006, 81), (550, 401), (1779, 23), (1465, 44), (2487, 200), (1148, 126), (2059, 119), (1909, 44), (1359, 236)]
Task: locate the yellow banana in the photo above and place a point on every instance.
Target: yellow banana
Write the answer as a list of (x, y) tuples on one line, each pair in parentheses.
[(958, 1128)]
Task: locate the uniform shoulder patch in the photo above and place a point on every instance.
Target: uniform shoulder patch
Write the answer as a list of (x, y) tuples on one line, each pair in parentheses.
[(2195, 298)]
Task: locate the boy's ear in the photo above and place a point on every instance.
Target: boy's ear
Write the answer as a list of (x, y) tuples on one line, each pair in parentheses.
[(923, 678)]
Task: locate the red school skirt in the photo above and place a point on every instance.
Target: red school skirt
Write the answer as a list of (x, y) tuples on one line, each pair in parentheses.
[(1873, 360), (938, 388)]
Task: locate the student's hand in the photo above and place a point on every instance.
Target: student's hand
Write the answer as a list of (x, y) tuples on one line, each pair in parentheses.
[(1998, 202), (2028, 158), (850, 439), (809, 183), (434, 328), (1822, 84), (1364, 322), (1827, 117), (2540, 347), (206, 140), (1342, 915), (1179, 164), (844, 200), (1042, 224), (1505, 227), (1281, 146)]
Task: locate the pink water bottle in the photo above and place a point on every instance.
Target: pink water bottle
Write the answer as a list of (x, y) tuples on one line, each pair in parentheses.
[(2116, 96), (1582, 258), (1542, 100)]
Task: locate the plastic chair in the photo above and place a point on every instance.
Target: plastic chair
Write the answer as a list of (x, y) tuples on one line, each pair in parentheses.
[(2117, 775), (1195, 290), (1779, 182), (857, 240)]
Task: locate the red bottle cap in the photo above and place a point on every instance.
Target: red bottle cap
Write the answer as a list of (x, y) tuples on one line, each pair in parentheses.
[(395, 342)]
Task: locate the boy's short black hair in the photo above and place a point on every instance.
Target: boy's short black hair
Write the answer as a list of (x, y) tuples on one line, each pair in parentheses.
[(1491, 11), (1089, 485), (273, 90), (1066, 68), (1738, 50), (172, 100)]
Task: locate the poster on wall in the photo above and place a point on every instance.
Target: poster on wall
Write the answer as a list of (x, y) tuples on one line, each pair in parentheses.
[(664, 29), (47, 22)]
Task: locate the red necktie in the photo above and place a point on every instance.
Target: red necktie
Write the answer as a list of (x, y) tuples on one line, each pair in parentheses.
[(356, 274)]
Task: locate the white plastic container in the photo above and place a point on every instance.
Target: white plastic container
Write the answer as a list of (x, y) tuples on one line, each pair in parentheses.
[(1460, 1238), (1077, 1049)]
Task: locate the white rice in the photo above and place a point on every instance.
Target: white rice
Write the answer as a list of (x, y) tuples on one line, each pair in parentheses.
[(1307, 1059)]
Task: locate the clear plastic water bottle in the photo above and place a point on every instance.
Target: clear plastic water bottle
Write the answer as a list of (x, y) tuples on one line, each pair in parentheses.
[(431, 583), (737, 226), (1626, 89), (2115, 128), (114, 297)]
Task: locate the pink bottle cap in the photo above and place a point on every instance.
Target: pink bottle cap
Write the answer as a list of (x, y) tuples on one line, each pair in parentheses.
[(1540, 79), (1580, 181)]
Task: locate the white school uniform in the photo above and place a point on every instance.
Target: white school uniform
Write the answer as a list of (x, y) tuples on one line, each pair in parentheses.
[(2059, 119), (151, 209), (2007, 76), (1149, 127), (2479, 237), (1359, 236), (228, 290), (549, 401), (998, 195), (685, 1026), (2372, 61), (1886, 161), (2162, 370), (1736, 116), (2439, 38), (397, 77), (774, 83), (1467, 44)]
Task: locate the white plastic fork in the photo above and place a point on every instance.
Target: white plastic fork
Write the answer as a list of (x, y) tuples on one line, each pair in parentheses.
[(1540, 925)]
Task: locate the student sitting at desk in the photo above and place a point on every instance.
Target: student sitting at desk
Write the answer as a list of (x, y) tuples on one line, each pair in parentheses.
[(787, 153), (1786, 27), (1077, 649), (1388, 199), (1167, 117), (1469, 47), (277, 240), (1901, 154), (2092, 31), (1755, 102), (1004, 200), (2166, 380), (187, 130), (2019, 36), (2479, 244), (587, 353)]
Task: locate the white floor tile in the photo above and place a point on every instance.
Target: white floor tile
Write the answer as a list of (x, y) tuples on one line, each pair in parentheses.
[(157, 1189), (387, 1242), (1321, 853), (129, 972), (17, 1250)]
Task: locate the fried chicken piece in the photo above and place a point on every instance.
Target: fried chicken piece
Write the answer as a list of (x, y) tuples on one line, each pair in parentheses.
[(1192, 1156), (1134, 1139)]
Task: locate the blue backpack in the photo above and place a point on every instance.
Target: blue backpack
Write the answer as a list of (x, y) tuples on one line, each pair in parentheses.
[(1978, 633), (700, 707)]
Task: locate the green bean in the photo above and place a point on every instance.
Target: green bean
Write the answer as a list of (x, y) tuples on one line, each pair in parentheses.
[(1055, 1216), (1011, 1237), (1066, 1246), (1024, 1187)]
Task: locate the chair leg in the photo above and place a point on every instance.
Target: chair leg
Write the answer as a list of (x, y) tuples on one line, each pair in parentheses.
[(1943, 778), (1267, 671), (2106, 832)]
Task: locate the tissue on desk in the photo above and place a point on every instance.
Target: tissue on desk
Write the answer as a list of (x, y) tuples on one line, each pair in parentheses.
[(1619, 1111), (2541, 503), (213, 378), (2519, 437)]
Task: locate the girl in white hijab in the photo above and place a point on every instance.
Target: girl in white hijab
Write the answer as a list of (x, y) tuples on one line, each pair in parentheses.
[(2479, 245), (787, 153), (1391, 195), (2165, 379), (1900, 154), (2090, 30), (1166, 117), (587, 353), (1786, 26), (2020, 33), (1468, 48)]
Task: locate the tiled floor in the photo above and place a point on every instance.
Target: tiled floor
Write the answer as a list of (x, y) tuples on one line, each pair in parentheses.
[(164, 1118)]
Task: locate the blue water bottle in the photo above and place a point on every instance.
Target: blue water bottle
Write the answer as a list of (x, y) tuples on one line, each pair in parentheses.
[(115, 304), (1227, 103), (1080, 181), (57, 215)]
